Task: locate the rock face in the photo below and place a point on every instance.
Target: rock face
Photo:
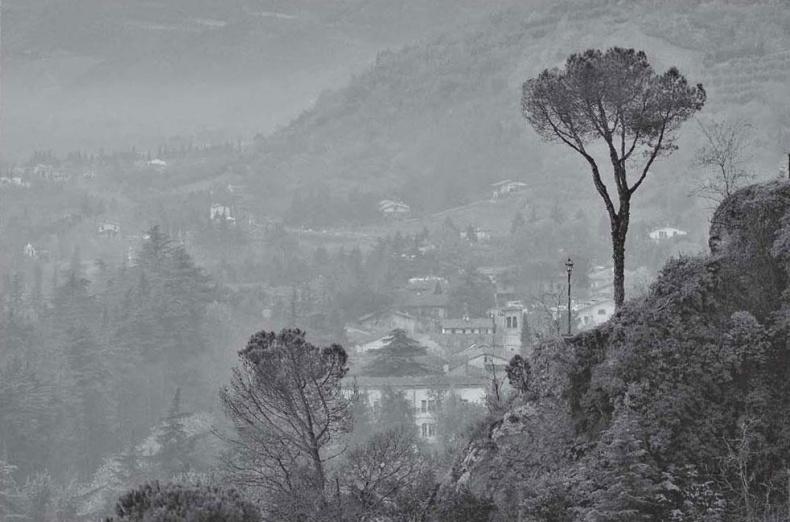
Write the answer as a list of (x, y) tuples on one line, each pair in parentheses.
[(581, 385)]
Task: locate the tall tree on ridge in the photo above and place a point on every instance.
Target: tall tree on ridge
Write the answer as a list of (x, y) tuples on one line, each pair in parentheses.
[(614, 96)]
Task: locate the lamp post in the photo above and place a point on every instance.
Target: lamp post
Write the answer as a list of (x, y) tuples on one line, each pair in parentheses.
[(569, 268)]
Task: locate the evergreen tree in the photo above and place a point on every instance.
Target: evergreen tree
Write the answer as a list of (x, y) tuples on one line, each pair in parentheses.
[(89, 393), (518, 223), (395, 412), (629, 480), (156, 503), (176, 446), (10, 501), (398, 357)]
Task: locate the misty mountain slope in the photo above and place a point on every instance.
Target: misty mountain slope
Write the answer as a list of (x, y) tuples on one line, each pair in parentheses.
[(434, 124), (85, 74), (649, 414)]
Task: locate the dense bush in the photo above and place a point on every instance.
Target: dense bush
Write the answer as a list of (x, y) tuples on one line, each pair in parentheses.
[(171, 502)]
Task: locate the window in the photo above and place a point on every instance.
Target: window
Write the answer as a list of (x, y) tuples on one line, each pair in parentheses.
[(515, 322), (431, 430), (508, 323), (428, 430), (431, 405), (424, 406)]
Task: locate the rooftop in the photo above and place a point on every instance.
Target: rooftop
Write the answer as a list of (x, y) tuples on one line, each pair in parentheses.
[(476, 322)]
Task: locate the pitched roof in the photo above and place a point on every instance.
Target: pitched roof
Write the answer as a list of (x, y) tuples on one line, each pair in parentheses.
[(422, 381), (477, 322), (476, 350)]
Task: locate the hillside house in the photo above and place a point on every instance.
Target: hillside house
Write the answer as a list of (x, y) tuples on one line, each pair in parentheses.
[(661, 234), (158, 164), (220, 213), (427, 284), (482, 357), (423, 394), (394, 209), (506, 187), (502, 330), (43, 171), (14, 181), (388, 320), (480, 234), (108, 229), (30, 251), (468, 326)]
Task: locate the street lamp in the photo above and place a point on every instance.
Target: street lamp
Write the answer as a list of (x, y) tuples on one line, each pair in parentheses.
[(569, 268)]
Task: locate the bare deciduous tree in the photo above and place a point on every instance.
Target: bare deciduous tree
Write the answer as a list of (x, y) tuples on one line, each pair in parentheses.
[(285, 404), (380, 469), (723, 155), (614, 96)]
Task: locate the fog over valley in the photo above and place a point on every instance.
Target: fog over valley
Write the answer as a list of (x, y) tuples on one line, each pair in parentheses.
[(394, 260)]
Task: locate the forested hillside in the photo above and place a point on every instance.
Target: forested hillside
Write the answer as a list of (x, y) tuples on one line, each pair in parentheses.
[(434, 124), (674, 410)]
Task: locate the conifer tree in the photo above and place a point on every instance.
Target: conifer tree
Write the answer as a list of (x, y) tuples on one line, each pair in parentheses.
[(176, 446), (629, 480), (10, 501), (398, 357)]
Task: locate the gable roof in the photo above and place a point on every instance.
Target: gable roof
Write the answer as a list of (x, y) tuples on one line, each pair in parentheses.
[(477, 322)]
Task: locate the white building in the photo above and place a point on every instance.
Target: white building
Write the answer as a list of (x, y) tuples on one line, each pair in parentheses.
[(219, 212), (392, 208), (30, 251), (661, 234), (15, 181), (157, 163), (423, 394), (505, 187), (108, 229)]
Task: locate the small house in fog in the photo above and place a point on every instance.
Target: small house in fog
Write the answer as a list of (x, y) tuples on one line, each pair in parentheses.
[(388, 320), (394, 209), (423, 393), (157, 163), (468, 326), (428, 283), (14, 181), (475, 234), (663, 233), (30, 251), (107, 229), (220, 213), (506, 187), (482, 357)]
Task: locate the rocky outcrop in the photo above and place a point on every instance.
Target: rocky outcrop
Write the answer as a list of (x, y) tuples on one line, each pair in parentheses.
[(578, 382)]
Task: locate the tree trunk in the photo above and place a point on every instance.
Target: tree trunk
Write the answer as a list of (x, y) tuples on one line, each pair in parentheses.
[(619, 233)]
